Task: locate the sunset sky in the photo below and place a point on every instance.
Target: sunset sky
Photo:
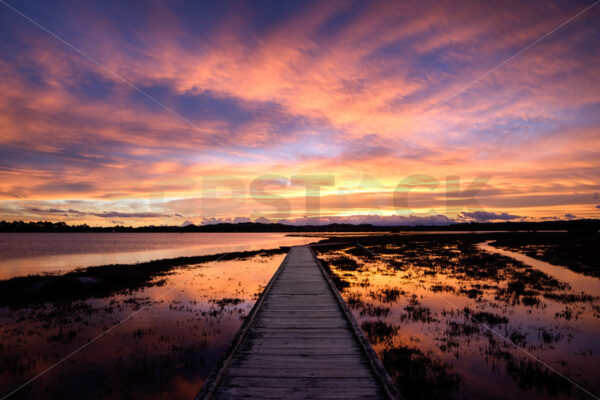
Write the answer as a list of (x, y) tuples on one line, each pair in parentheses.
[(168, 112)]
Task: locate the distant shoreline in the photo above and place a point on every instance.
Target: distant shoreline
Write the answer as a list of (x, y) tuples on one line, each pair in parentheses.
[(582, 225)]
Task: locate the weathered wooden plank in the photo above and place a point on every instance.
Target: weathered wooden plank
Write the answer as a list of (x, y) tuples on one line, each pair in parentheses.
[(308, 365), (300, 304), (301, 313), (300, 300), (307, 341), (303, 332), (298, 293), (316, 383), (297, 308), (302, 372), (299, 285), (344, 345), (336, 359), (312, 297), (300, 323), (341, 342), (292, 291), (296, 392), (301, 351), (306, 320)]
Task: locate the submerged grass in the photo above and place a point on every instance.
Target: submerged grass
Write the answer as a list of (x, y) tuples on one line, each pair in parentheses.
[(419, 376), (378, 331)]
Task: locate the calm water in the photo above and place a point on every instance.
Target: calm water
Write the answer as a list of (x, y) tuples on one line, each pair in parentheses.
[(577, 281), (33, 253), (166, 350)]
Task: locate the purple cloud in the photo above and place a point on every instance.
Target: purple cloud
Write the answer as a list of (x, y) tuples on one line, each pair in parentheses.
[(484, 216)]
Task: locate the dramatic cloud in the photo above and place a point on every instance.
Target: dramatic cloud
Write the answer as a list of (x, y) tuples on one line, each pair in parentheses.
[(114, 214), (361, 90), (104, 214)]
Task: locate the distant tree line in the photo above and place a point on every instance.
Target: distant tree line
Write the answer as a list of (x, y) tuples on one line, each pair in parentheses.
[(581, 225)]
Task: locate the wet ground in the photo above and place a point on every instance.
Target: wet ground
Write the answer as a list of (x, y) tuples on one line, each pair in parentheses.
[(186, 316), (450, 320)]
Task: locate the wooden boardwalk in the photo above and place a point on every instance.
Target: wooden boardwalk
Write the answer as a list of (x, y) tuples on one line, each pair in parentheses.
[(300, 341)]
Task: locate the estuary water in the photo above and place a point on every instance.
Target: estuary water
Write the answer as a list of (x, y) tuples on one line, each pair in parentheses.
[(24, 254), (577, 281)]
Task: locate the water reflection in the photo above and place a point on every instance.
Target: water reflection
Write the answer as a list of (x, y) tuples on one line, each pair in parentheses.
[(24, 254), (577, 281), (424, 303), (166, 350)]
